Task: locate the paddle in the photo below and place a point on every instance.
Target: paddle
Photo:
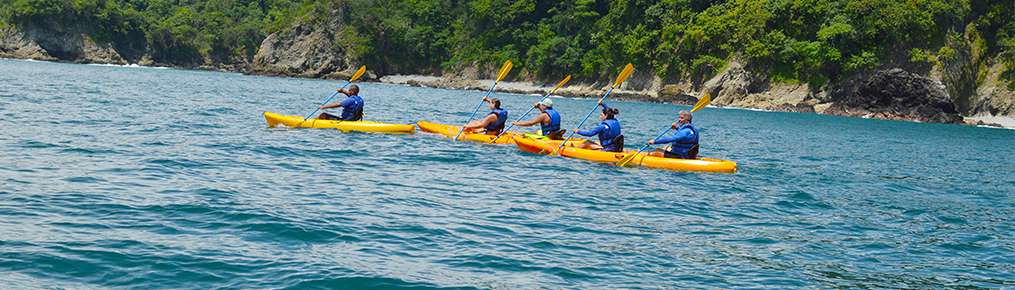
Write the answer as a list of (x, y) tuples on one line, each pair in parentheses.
[(697, 106), (559, 85), (626, 72), (354, 77), (500, 76)]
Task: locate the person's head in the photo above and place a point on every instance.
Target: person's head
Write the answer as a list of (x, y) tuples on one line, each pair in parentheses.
[(545, 104), (494, 103), (608, 113), (685, 117), (354, 89)]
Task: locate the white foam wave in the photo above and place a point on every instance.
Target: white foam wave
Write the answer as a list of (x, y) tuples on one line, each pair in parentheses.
[(131, 65)]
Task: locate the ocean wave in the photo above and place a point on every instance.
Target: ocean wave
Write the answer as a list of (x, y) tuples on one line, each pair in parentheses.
[(131, 65)]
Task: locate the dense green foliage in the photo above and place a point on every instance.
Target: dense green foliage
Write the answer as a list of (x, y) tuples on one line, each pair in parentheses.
[(792, 40), (183, 32)]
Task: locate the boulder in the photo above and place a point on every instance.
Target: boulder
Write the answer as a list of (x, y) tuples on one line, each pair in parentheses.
[(99, 53), (60, 43), (996, 96), (678, 94), (307, 49), (895, 94), (731, 85), (14, 44), (798, 107)]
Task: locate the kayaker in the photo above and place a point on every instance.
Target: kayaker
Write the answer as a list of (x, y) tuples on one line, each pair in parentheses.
[(493, 123), (548, 120), (610, 137), (352, 106), (685, 140)]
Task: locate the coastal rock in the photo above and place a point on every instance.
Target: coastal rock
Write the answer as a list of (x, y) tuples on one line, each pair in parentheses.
[(777, 97), (982, 123), (897, 95), (959, 71), (99, 53), (732, 84), (72, 44), (798, 107), (57, 41), (995, 96), (643, 80), (976, 82), (14, 44), (307, 49), (64, 43), (679, 94)]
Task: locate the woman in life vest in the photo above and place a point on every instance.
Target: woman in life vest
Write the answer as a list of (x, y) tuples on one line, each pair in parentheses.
[(608, 130), (493, 123)]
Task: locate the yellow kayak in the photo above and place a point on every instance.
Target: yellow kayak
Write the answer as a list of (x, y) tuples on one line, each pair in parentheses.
[(589, 152), (451, 131), (294, 121)]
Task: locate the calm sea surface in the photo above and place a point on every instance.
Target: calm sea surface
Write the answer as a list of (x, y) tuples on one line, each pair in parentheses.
[(148, 178)]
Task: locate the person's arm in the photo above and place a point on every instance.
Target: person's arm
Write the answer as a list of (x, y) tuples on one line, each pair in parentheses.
[(593, 132), (536, 120), (680, 136), (343, 103), (490, 118), (343, 91)]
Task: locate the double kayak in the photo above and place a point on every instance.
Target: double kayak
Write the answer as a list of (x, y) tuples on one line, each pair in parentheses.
[(586, 151), (451, 131), (294, 121)]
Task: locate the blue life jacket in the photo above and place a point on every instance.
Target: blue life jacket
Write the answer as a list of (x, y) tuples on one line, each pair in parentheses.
[(606, 137), (353, 110), (554, 122), (684, 148), (498, 125)]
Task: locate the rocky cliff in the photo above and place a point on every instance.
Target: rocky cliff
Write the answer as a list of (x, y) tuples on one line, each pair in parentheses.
[(968, 85), (14, 44), (994, 97), (894, 94), (308, 49), (53, 42)]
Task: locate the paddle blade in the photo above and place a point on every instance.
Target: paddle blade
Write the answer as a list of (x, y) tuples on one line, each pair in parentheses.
[(504, 70), (359, 73), (626, 72), (701, 103), (627, 159), (560, 84)]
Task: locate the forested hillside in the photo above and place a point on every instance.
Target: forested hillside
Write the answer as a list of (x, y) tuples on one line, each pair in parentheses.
[(808, 42), (794, 40)]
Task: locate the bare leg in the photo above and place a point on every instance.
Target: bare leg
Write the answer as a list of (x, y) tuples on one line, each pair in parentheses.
[(656, 153), (591, 145)]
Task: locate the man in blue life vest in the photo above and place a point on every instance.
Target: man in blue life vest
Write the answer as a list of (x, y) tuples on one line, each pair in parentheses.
[(352, 106), (548, 120), (610, 137), (685, 140), (493, 123)]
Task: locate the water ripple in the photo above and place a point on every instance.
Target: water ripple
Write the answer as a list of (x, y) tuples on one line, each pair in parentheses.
[(169, 179)]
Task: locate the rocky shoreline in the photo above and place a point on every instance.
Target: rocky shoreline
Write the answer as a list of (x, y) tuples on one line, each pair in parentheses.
[(307, 51), (784, 98), (787, 98)]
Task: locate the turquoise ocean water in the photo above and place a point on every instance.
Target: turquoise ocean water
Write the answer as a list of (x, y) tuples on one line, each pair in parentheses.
[(157, 178)]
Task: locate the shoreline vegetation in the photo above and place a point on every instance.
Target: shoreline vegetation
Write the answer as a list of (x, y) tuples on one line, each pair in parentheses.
[(533, 88), (588, 92), (925, 60)]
